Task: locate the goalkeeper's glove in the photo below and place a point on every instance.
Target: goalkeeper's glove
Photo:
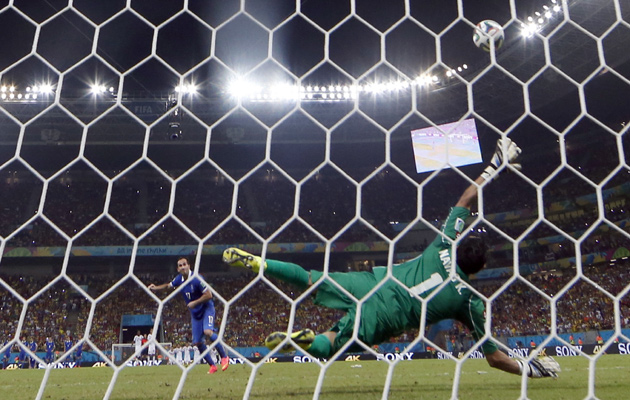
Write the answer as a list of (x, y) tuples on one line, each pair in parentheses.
[(542, 367), (512, 152)]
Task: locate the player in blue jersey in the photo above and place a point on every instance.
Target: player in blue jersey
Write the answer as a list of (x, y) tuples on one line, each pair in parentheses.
[(198, 298), (21, 358), (67, 345), (78, 354), (50, 350), (6, 355), (32, 346)]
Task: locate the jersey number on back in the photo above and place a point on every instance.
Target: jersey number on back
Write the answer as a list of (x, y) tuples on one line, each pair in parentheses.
[(434, 280)]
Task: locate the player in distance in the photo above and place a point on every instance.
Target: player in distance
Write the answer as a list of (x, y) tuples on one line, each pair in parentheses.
[(392, 308), (198, 298)]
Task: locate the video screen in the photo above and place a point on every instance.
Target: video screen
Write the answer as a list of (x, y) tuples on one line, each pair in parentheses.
[(447, 145)]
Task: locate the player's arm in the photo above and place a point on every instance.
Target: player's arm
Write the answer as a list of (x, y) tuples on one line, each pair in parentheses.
[(542, 367), (157, 288), (474, 318), (506, 149), (206, 295)]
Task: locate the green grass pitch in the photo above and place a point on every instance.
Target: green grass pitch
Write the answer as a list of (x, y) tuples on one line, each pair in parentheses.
[(419, 379)]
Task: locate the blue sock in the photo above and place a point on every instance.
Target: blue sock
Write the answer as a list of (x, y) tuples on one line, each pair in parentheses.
[(219, 348), (207, 357)]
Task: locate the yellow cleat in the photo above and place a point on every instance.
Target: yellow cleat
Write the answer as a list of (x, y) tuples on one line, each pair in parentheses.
[(303, 339), (240, 258)]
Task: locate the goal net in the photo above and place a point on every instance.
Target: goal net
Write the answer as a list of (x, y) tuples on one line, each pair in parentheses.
[(332, 134)]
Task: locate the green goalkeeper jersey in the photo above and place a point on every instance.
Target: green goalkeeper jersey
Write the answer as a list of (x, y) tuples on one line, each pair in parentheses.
[(427, 272), (393, 309)]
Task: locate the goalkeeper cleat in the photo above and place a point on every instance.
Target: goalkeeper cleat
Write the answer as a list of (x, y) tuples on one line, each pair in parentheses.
[(544, 367), (303, 339), (212, 370), (240, 258), (225, 363)]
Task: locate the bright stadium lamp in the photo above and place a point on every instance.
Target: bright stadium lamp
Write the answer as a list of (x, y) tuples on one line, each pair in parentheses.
[(189, 88), (239, 88), (97, 89), (46, 88)]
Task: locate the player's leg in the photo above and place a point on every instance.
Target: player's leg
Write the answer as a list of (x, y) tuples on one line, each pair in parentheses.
[(208, 330), (371, 329), (358, 284), (303, 338), (225, 360), (324, 345), (287, 272), (198, 340)]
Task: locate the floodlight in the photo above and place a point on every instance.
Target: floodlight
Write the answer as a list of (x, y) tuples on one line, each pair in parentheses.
[(97, 89), (46, 88), (529, 30)]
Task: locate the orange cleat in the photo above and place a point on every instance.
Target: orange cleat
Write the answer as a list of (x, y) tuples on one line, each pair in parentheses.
[(212, 370), (225, 363)]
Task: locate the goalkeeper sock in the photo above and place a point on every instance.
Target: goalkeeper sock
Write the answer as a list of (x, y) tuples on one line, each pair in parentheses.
[(321, 347), (219, 348), (288, 272)]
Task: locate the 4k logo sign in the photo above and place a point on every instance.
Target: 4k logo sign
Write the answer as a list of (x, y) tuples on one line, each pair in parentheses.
[(353, 358), (271, 360)]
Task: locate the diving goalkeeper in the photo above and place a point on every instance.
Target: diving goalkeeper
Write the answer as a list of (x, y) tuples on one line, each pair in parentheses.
[(393, 309)]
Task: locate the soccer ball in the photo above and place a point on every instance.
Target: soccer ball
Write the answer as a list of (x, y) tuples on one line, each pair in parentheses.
[(488, 30)]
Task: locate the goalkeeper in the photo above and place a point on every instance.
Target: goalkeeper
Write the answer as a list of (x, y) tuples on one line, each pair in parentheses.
[(392, 308)]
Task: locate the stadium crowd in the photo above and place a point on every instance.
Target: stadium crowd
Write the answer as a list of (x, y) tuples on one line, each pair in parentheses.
[(517, 310), (328, 203)]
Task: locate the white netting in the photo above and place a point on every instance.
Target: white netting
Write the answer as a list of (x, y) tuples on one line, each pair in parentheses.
[(136, 131)]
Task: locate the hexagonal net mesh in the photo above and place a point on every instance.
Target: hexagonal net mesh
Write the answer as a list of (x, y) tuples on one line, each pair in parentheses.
[(333, 135)]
